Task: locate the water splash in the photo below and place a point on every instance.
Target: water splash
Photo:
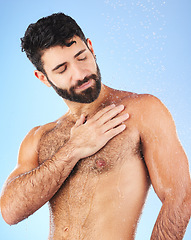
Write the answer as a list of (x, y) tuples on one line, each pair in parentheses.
[(137, 27)]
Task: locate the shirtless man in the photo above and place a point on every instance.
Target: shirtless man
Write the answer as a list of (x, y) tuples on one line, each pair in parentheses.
[(96, 163)]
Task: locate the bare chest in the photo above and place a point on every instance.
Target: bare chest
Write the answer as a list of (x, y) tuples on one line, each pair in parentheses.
[(104, 181), (120, 149)]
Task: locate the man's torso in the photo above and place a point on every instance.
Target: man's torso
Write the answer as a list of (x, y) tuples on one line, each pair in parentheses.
[(103, 196)]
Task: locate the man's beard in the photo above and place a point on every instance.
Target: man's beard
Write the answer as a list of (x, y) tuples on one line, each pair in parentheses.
[(87, 96)]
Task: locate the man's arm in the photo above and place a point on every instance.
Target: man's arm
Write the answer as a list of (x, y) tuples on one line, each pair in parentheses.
[(31, 185), (168, 168)]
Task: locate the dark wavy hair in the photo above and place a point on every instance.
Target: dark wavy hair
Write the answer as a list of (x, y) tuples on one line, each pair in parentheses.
[(47, 32)]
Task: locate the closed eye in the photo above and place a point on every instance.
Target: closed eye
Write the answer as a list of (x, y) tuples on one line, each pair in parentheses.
[(82, 59), (64, 69)]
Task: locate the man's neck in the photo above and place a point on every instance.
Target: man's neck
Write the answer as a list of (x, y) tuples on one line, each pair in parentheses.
[(104, 99)]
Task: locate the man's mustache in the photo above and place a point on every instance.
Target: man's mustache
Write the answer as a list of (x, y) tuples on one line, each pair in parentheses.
[(86, 79)]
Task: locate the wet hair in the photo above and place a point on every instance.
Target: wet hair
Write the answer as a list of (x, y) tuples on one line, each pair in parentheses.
[(50, 31)]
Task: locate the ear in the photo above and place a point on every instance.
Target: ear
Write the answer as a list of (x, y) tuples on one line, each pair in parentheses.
[(42, 78), (90, 46)]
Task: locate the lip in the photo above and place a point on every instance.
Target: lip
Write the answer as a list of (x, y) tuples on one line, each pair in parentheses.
[(85, 85)]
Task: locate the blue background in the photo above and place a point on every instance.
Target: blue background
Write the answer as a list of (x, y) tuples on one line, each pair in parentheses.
[(141, 46)]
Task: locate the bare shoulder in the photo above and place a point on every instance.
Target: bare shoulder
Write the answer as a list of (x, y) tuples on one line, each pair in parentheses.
[(28, 152), (141, 99), (152, 109), (148, 112), (32, 139), (30, 144), (145, 105)]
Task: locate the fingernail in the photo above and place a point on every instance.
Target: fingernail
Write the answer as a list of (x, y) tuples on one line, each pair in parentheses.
[(121, 106), (126, 115), (123, 126)]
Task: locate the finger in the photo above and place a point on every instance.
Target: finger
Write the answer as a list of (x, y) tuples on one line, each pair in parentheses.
[(103, 111), (115, 131), (114, 122), (80, 121), (111, 114)]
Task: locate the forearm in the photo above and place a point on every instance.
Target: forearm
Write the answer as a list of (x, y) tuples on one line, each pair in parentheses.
[(28, 192), (172, 221)]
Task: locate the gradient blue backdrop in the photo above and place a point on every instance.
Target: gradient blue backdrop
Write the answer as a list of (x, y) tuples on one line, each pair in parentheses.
[(141, 46)]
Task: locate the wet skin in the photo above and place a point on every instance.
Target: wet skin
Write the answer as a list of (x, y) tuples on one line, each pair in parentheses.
[(103, 196), (95, 164)]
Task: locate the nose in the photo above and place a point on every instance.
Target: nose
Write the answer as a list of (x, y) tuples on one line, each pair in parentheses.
[(77, 73)]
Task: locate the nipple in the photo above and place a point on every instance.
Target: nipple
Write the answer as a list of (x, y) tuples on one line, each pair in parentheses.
[(100, 163)]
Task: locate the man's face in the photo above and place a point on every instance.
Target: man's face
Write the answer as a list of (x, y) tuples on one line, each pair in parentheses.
[(72, 71)]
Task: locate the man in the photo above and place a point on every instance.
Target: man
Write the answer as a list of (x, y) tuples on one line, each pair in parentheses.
[(96, 163)]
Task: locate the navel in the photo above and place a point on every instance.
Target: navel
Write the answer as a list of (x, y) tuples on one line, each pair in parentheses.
[(66, 229), (66, 232)]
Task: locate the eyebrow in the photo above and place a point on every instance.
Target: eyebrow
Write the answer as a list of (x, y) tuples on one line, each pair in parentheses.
[(80, 52), (75, 56)]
